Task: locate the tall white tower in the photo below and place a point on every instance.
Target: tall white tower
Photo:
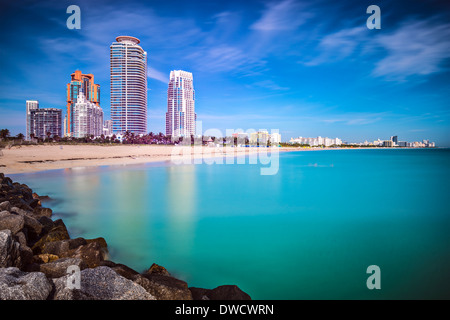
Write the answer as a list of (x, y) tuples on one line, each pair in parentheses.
[(180, 116), (128, 86)]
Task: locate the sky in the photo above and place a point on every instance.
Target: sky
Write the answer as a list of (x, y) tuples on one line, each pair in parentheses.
[(305, 68)]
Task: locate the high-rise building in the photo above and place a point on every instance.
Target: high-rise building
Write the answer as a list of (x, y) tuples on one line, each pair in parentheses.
[(394, 139), (87, 118), (180, 116), (128, 86), (44, 122), (107, 128), (79, 83), (31, 105)]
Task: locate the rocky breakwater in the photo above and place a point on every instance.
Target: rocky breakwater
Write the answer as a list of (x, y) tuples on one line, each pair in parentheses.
[(36, 253)]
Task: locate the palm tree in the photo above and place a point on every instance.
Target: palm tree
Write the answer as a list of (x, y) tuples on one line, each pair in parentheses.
[(20, 136), (4, 134)]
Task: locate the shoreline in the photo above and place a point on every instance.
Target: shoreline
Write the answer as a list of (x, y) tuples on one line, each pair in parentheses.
[(36, 158)]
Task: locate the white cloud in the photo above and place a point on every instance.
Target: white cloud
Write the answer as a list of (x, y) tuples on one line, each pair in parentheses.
[(152, 73), (281, 16), (416, 48), (338, 45)]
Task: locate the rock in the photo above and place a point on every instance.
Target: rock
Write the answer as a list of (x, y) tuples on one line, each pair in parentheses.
[(58, 248), (7, 181), (12, 254), (45, 258), (57, 233), (77, 242), (42, 198), (9, 250), (20, 211), (20, 204), (5, 205), (199, 293), (18, 285), (101, 241), (227, 292), (121, 269), (58, 268), (47, 224), (164, 287), (34, 228), (26, 257), (12, 222), (39, 212), (21, 238), (101, 283), (34, 203), (157, 269), (4, 213), (92, 254)]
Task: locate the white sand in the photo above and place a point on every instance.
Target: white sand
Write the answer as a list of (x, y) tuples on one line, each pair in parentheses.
[(22, 159)]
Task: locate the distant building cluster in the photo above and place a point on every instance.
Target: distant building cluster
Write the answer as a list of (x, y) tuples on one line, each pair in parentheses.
[(314, 142), (393, 142), (262, 137)]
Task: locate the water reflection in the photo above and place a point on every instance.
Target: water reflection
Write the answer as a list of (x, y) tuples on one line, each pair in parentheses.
[(181, 202)]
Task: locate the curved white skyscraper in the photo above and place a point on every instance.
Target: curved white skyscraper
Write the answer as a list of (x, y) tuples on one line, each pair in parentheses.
[(128, 86), (180, 116)]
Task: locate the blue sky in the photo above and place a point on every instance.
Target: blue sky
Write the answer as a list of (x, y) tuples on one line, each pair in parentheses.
[(307, 68)]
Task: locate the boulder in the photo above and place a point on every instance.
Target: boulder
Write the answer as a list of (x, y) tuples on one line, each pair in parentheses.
[(5, 205), (92, 254), (12, 253), (19, 285), (164, 287), (40, 211), (58, 268), (9, 250), (21, 238), (21, 204), (26, 257), (20, 211), (58, 248), (34, 203), (199, 293), (47, 224), (121, 269), (42, 198), (7, 181), (34, 228), (12, 222), (227, 292), (45, 258), (157, 269), (101, 283), (57, 233), (4, 213)]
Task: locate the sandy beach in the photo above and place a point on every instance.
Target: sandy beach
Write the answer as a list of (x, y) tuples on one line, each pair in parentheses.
[(21, 159)]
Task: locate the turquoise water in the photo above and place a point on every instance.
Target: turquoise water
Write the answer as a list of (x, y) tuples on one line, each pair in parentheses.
[(308, 232)]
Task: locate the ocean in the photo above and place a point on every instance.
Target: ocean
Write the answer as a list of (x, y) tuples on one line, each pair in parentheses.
[(308, 232)]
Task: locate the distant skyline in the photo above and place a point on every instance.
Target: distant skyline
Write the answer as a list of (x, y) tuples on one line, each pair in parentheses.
[(307, 68)]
